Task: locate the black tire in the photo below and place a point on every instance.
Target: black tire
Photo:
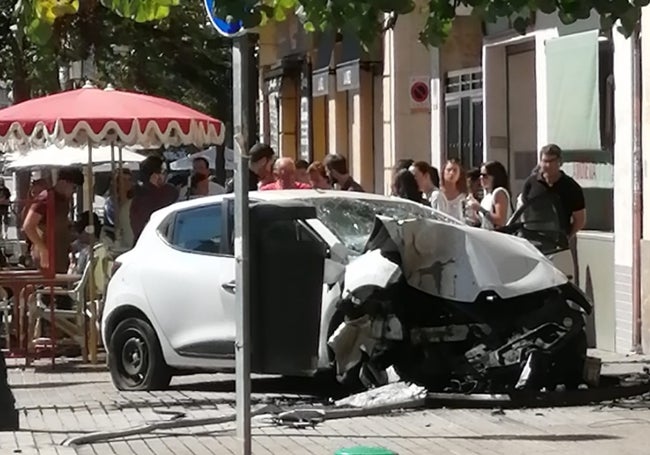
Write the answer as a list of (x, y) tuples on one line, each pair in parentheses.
[(135, 358)]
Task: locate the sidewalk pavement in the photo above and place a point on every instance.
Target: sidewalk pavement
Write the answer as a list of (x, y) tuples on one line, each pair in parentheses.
[(76, 400)]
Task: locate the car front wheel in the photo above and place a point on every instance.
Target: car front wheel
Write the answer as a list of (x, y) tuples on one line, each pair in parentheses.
[(135, 357)]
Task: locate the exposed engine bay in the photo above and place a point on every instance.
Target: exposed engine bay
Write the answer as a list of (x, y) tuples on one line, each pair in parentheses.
[(455, 310)]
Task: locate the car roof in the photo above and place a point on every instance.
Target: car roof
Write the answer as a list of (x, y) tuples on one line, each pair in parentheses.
[(284, 195), (280, 195)]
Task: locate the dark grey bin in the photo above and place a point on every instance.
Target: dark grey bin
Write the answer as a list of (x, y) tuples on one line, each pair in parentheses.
[(8, 411), (287, 260)]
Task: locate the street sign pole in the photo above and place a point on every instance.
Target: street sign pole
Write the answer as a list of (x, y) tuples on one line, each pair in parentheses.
[(244, 92), (241, 69)]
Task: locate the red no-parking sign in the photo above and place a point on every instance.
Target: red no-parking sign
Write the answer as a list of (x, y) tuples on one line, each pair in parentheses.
[(419, 93)]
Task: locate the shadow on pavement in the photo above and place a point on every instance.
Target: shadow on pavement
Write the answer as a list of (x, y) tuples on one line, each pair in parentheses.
[(71, 367), (487, 437), (581, 437), (278, 390), (67, 433), (319, 387), (185, 403), (51, 385)]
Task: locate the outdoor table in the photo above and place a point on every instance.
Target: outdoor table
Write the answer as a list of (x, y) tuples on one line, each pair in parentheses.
[(14, 279)]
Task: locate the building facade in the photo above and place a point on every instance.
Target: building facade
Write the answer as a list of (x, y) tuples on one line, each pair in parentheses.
[(488, 93), (318, 96)]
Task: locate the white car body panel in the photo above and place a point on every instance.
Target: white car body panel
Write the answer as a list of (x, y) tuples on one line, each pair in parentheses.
[(191, 305), (456, 262), (181, 293)]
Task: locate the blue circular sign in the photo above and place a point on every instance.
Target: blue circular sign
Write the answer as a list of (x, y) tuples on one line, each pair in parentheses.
[(227, 29)]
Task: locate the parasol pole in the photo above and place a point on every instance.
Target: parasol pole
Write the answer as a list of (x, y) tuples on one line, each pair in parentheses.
[(120, 166), (115, 192), (92, 340)]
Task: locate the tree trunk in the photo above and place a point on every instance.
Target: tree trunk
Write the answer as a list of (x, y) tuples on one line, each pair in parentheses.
[(21, 88)]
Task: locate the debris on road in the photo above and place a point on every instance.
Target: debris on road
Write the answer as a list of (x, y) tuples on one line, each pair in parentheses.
[(388, 395), (173, 423), (381, 400), (300, 418)]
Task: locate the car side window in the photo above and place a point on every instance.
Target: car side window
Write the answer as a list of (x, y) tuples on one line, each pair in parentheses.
[(198, 230)]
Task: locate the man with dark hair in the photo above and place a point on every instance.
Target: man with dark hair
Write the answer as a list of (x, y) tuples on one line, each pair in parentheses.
[(337, 170), (200, 183), (154, 194), (260, 164), (568, 199), (549, 178), (302, 175), (36, 222)]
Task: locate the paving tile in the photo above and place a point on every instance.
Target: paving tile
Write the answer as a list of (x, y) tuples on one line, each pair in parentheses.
[(56, 405)]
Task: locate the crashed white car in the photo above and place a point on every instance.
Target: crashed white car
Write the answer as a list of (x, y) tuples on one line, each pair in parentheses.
[(457, 309), (170, 305)]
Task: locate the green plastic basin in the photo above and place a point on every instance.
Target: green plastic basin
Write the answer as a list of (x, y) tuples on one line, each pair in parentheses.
[(361, 450)]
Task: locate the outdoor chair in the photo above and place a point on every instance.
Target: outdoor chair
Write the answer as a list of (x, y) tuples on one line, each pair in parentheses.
[(72, 322), (5, 309)]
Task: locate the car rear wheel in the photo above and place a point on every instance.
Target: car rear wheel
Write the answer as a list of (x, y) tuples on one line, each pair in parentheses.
[(135, 360)]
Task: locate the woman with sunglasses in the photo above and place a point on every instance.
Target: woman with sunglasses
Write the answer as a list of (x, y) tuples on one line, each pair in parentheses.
[(495, 207)]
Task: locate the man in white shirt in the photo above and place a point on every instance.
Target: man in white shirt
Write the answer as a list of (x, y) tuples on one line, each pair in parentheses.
[(200, 183)]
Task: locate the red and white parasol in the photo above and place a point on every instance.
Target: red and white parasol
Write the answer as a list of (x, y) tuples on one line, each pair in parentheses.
[(94, 116)]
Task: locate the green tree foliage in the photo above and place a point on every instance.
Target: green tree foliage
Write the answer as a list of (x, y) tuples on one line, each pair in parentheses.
[(180, 57), (29, 67), (369, 17), (176, 55)]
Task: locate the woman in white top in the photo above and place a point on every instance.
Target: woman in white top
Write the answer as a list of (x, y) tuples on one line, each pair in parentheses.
[(495, 208), (453, 191)]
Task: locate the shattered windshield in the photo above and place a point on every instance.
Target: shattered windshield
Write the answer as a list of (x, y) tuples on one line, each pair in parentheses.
[(352, 220)]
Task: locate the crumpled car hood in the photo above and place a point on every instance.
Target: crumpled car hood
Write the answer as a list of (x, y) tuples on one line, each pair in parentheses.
[(458, 262)]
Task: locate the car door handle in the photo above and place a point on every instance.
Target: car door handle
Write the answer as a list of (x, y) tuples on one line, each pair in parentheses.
[(229, 287)]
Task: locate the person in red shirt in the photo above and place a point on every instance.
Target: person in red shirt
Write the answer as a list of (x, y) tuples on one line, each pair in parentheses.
[(36, 221), (285, 175)]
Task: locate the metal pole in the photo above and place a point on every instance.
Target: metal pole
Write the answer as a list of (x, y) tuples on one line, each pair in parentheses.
[(91, 343), (241, 69), (114, 193), (637, 192), (118, 203)]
